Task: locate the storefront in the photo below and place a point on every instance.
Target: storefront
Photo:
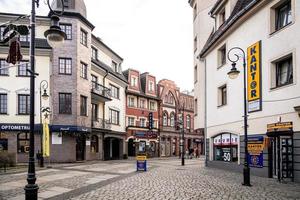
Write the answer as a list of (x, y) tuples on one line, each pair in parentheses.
[(225, 147)]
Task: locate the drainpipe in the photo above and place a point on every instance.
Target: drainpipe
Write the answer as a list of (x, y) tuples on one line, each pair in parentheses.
[(103, 116)]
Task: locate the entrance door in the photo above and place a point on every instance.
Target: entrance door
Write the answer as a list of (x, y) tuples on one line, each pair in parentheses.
[(131, 147), (282, 157), (80, 148)]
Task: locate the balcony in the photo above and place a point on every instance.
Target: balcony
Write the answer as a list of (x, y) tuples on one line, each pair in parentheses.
[(169, 128), (100, 93), (101, 124)]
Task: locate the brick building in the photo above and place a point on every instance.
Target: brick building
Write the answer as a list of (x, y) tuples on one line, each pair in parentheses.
[(173, 106), (141, 101)]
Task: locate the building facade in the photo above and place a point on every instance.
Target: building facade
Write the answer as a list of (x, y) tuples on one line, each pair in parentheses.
[(141, 114), (264, 30), (86, 89), (173, 106)]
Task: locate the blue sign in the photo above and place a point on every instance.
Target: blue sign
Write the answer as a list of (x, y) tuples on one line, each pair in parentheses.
[(255, 151), (141, 163)]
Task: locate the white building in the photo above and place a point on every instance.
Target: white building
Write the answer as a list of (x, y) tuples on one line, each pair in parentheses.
[(242, 23)]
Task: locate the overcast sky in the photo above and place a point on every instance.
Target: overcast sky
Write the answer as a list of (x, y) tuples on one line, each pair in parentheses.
[(151, 35)]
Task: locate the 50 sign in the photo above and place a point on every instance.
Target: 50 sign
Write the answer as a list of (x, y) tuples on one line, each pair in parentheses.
[(227, 157)]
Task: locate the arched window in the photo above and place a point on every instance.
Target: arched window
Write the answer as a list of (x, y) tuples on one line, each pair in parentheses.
[(188, 122), (94, 144), (165, 119), (226, 147), (23, 142), (172, 119)]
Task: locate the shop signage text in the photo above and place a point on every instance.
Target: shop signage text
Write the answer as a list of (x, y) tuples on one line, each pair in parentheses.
[(254, 77), (14, 127), (255, 151), (280, 126)]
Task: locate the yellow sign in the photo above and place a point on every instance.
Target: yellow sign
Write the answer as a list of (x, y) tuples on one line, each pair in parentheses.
[(280, 126), (254, 77), (141, 158), (46, 140), (255, 149)]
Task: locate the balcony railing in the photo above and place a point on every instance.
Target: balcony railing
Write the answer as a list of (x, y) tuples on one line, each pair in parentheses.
[(101, 90), (101, 124), (169, 128)]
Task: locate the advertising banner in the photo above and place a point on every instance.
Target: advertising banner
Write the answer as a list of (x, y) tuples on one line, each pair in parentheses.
[(141, 163), (46, 140), (254, 77), (255, 151)]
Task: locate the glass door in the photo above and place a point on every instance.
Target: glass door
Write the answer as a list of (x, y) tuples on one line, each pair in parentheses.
[(287, 171)]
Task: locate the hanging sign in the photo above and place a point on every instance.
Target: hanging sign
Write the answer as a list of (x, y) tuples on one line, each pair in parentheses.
[(280, 126), (255, 151), (46, 140), (254, 77)]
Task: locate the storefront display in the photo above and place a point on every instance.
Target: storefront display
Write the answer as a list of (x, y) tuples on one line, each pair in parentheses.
[(226, 147)]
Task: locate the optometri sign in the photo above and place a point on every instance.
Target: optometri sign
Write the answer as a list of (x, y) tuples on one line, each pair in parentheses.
[(254, 77)]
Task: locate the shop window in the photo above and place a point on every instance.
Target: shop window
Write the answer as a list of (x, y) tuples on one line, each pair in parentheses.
[(23, 142), (3, 144), (94, 144), (225, 147)]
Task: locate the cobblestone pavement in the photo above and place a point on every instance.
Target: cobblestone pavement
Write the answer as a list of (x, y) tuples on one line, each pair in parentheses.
[(165, 179)]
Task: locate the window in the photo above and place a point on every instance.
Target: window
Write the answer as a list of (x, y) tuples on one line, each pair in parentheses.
[(133, 81), (23, 142), (195, 11), (188, 121), (131, 121), (142, 103), (225, 147), (154, 123), (195, 73), (94, 53), (3, 103), (172, 119), (24, 38), (66, 4), (67, 29), (142, 122), (83, 70), (94, 81), (1, 32), (114, 116), (131, 102), (23, 104), (22, 68), (284, 72), (152, 105), (94, 144), (195, 44), (151, 86), (283, 15), (114, 91), (3, 64), (222, 95), (222, 55), (94, 112), (83, 105), (196, 106), (165, 119), (65, 103), (114, 65), (65, 66), (83, 37)]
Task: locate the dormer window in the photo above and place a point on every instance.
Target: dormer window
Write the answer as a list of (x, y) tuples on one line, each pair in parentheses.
[(114, 65), (133, 81), (151, 86)]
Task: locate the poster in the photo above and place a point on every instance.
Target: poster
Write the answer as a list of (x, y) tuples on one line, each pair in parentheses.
[(255, 151)]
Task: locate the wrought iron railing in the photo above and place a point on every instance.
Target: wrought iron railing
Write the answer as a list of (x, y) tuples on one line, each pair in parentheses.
[(101, 124), (101, 90)]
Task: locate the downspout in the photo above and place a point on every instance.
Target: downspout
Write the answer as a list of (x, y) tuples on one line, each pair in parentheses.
[(103, 117)]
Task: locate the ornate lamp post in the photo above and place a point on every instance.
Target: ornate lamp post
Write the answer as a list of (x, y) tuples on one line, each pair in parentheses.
[(182, 142), (53, 35), (232, 75)]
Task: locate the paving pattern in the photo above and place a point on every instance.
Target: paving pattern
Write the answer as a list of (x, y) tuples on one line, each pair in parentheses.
[(165, 179)]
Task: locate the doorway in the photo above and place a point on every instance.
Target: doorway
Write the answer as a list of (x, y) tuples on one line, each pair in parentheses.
[(80, 148), (131, 147), (282, 158), (112, 148)]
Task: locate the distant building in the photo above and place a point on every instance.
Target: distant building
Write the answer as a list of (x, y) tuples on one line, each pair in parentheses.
[(141, 102), (266, 31)]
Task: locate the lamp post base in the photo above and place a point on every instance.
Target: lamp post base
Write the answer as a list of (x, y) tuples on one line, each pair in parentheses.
[(31, 192), (246, 173)]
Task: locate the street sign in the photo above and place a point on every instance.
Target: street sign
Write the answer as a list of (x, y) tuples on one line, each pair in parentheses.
[(255, 151), (151, 120)]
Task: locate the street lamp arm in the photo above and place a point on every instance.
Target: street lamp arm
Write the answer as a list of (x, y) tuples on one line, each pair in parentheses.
[(237, 57)]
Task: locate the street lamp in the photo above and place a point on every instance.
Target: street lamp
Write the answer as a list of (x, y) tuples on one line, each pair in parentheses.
[(31, 189), (44, 96), (232, 75), (182, 143)]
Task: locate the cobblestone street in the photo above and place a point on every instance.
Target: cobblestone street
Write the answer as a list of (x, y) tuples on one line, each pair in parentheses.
[(165, 179)]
